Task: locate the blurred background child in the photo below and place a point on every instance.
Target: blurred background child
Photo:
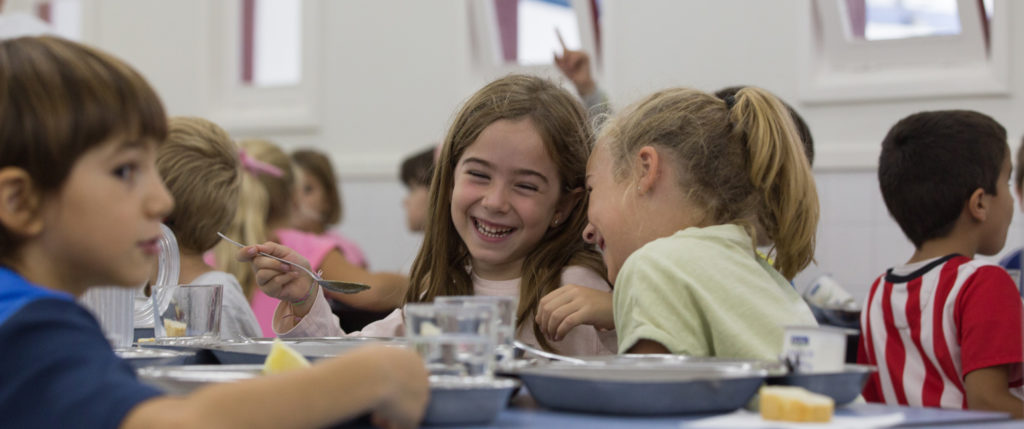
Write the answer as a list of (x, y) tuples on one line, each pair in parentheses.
[(82, 207), (673, 181), (415, 174), (320, 206), (508, 196), (265, 211), (199, 165), (1013, 262)]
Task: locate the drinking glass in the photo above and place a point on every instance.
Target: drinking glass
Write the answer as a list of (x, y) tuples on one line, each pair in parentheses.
[(187, 313), (505, 308), (453, 340)]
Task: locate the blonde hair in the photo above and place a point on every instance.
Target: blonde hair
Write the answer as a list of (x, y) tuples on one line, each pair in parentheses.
[(262, 199), (199, 165), (60, 99), (739, 158), (440, 267)]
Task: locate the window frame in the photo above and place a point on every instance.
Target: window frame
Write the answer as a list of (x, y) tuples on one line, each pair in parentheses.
[(247, 110), (837, 68), (486, 40)]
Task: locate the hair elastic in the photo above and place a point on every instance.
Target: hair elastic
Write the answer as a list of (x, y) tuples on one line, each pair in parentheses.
[(256, 166)]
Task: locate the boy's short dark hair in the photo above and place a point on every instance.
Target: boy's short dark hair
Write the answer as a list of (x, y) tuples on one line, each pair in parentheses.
[(801, 127), (58, 100), (418, 168), (932, 162)]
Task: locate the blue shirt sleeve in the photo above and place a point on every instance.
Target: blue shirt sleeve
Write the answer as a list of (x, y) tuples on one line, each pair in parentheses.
[(58, 370)]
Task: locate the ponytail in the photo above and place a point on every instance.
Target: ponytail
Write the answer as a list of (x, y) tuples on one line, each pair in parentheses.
[(781, 174)]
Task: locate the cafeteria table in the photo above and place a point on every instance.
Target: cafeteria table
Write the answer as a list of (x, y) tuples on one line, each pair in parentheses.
[(523, 412)]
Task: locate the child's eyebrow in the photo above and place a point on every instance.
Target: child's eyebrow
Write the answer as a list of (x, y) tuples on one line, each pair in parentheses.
[(518, 172)]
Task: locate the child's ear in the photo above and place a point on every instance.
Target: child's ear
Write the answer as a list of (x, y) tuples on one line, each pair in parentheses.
[(648, 168), (565, 206), (19, 202), (977, 205)]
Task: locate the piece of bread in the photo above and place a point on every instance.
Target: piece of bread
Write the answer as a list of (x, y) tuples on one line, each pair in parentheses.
[(174, 328), (795, 404), (283, 358)]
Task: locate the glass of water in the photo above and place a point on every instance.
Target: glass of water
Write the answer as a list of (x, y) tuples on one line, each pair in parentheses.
[(453, 340), (505, 308), (187, 313)]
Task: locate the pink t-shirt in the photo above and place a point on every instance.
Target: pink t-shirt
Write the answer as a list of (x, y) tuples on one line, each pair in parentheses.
[(313, 247), (583, 340)]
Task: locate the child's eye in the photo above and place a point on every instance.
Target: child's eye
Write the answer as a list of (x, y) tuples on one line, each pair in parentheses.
[(528, 186), (126, 171), (477, 174)]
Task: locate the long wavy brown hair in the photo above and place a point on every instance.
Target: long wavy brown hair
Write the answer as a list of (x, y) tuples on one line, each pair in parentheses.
[(442, 265)]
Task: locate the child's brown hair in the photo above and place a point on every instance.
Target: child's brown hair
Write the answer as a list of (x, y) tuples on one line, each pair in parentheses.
[(319, 166), (199, 165), (739, 157), (59, 99), (440, 266)]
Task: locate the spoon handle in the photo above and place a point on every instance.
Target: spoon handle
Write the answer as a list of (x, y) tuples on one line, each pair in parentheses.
[(311, 274)]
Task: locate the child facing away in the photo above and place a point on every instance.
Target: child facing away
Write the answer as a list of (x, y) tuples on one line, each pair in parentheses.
[(507, 197), (82, 205), (199, 166), (944, 329), (415, 174), (674, 181), (265, 212), (1014, 262)]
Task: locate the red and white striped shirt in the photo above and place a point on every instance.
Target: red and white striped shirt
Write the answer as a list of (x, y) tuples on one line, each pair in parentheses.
[(928, 324)]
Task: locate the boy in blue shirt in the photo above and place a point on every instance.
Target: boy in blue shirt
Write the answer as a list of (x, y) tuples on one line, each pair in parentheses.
[(80, 205)]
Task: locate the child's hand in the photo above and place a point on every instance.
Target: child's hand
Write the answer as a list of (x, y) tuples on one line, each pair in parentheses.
[(410, 389), (570, 306), (275, 278)]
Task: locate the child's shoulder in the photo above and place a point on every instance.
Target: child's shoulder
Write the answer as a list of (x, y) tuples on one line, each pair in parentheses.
[(16, 292)]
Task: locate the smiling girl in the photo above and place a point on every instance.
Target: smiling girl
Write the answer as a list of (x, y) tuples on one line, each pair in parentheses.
[(506, 218)]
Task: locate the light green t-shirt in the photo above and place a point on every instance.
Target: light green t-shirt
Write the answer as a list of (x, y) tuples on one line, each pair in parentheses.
[(704, 292)]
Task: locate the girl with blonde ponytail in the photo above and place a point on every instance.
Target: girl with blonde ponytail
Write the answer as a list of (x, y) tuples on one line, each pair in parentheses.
[(675, 181)]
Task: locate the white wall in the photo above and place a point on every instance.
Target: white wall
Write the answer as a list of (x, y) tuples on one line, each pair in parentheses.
[(394, 71)]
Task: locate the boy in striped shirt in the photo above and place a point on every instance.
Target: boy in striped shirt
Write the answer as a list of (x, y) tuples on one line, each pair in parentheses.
[(945, 329)]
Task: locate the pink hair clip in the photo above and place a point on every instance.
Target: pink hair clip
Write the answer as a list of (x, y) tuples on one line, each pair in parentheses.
[(256, 166)]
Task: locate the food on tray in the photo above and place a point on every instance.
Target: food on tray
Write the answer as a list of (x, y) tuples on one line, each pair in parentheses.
[(174, 328), (795, 404), (283, 358)]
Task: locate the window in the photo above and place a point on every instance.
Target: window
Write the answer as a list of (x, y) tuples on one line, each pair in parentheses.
[(266, 64), (271, 43), (528, 33), (870, 49)]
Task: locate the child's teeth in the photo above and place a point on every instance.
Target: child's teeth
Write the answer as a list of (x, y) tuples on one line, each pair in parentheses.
[(492, 232)]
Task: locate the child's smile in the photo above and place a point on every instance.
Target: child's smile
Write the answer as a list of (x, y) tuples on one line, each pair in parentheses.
[(505, 197)]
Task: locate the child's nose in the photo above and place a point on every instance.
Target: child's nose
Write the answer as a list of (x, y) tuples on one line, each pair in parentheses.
[(590, 233), (160, 202), (495, 198)]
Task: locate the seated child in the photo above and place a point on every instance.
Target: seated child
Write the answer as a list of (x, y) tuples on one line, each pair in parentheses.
[(415, 174), (319, 202), (944, 329), (199, 165), (1014, 262), (673, 182), (81, 206)]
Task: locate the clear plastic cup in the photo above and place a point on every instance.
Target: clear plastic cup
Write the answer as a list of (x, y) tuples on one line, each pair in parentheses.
[(453, 340), (187, 313), (114, 308), (505, 308)]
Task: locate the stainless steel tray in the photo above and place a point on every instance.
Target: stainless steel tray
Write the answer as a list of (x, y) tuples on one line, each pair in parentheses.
[(255, 351), (180, 380), (455, 401), (139, 357), (648, 384), (843, 387)]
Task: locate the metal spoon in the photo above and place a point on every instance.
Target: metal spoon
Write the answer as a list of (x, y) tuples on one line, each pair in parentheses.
[(331, 285), (542, 353)]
